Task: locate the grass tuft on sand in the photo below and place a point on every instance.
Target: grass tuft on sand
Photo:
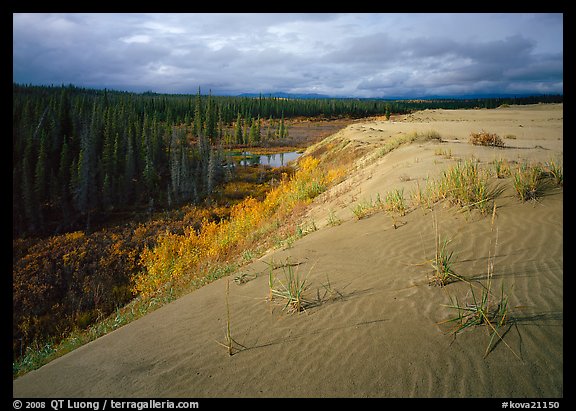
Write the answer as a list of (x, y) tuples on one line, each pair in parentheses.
[(443, 262), (483, 308), (292, 290), (531, 181), (466, 185)]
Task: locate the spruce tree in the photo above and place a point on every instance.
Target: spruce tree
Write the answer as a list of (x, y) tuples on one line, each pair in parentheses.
[(254, 136), (107, 202), (198, 120), (175, 160), (212, 171), (210, 120), (281, 128), (129, 170), (28, 197), (40, 173), (64, 180), (238, 136)]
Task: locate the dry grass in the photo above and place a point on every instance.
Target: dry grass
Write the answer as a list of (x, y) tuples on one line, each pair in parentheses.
[(464, 185), (231, 345), (486, 139), (443, 262)]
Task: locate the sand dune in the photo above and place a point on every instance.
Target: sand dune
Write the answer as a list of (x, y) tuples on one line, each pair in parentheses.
[(373, 330)]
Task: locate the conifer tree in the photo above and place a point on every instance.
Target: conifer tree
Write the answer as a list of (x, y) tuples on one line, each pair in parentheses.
[(175, 160), (86, 198), (210, 120), (107, 157), (238, 136), (64, 180), (254, 135), (220, 126), (212, 171), (40, 173), (28, 197), (281, 128), (198, 121), (107, 202), (246, 132), (129, 170)]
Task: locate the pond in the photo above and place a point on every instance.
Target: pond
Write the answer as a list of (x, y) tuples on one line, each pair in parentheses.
[(272, 160)]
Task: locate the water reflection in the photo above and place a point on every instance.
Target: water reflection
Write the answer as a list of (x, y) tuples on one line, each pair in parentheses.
[(272, 160)]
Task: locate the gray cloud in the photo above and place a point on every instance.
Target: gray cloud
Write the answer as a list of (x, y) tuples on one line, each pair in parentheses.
[(364, 55)]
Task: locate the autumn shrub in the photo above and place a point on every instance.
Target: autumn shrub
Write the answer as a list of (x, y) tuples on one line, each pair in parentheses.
[(486, 139), (68, 281), (178, 259)]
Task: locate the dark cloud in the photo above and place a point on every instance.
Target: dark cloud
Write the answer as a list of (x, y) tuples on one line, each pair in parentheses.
[(361, 55)]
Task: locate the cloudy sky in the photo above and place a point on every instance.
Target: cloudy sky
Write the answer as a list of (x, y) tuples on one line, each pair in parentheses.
[(360, 55)]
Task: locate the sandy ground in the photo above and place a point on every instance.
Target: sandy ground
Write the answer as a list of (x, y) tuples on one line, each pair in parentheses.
[(373, 327)]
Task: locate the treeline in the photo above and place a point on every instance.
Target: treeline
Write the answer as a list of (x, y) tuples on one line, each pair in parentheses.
[(80, 153)]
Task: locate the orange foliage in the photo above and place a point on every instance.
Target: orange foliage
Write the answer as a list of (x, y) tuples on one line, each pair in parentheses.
[(178, 258), (69, 280)]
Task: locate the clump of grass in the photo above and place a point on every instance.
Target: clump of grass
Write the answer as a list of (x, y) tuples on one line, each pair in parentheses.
[(484, 309), (333, 220), (443, 262), (329, 292), (395, 142), (556, 171), (501, 168), (366, 208), (34, 357), (465, 185), (445, 153), (306, 228), (273, 265), (486, 139), (421, 197), (529, 182), (431, 135), (395, 201), (292, 290), (442, 265), (532, 181)]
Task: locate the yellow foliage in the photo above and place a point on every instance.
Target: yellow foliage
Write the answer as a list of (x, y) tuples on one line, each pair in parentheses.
[(178, 258), (308, 164)]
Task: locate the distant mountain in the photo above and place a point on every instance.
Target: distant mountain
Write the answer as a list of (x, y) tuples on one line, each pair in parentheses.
[(465, 96), (281, 94)]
